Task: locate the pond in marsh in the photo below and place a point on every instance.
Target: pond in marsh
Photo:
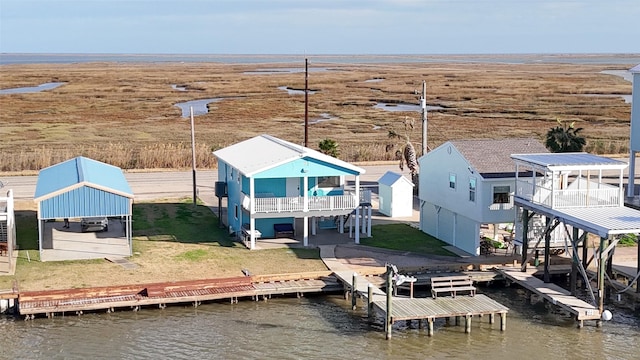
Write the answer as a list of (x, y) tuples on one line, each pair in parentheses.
[(31, 89)]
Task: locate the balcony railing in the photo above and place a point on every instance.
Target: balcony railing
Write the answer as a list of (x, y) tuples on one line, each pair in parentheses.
[(272, 204), (608, 196)]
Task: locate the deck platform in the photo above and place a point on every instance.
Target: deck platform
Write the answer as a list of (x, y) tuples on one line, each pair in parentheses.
[(552, 293), (409, 308)]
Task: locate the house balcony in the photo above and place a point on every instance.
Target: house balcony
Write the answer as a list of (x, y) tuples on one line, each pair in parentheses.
[(310, 206), (601, 195)]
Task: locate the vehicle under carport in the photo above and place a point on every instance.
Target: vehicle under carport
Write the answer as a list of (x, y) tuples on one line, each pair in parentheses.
[(83, 188)]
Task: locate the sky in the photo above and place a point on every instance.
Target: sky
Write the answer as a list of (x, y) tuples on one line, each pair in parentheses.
[(319, 26)]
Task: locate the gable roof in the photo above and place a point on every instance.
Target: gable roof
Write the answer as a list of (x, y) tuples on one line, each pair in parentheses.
[(492, 158), (264, 152), (78, 172), (635, 69), (390, 178)]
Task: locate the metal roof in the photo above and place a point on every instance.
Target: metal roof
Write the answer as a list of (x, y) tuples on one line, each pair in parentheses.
[(390, 178), (265, 152), (488, 156), (602, 221), (78, 172), (561, 161), (635, 69)]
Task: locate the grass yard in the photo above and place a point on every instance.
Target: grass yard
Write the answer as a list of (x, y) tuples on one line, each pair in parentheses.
[(172, 241), (406, 238)]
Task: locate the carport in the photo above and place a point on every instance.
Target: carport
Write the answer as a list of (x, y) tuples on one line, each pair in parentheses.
[(82, 188)]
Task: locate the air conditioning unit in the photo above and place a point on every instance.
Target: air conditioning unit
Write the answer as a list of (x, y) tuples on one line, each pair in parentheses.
[(221, 189)]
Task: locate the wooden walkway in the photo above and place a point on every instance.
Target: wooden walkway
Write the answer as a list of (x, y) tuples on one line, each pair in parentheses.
[(405, 308), (160, 294), (552, 293)]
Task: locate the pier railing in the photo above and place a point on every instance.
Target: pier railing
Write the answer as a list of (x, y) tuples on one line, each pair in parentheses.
[(605, 196)]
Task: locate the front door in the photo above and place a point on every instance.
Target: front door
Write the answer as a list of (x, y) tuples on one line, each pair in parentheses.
[(293, 187)]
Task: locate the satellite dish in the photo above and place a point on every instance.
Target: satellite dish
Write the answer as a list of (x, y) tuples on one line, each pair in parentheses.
[(606, 315)]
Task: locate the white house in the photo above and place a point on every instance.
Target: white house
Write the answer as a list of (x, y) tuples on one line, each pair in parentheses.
[(467, 183), (395, 194)]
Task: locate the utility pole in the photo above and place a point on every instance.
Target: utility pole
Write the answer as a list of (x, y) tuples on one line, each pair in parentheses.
[(306, 102), (193, 156), (423, 105)]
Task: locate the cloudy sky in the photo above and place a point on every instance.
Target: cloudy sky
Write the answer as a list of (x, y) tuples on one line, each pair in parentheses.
[(319, 26)]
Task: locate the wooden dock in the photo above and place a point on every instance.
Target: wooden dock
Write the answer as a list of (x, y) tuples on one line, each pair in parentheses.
[(134, 297), (409, 308), (552, 293)]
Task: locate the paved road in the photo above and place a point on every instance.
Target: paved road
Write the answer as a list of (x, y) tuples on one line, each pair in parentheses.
[(176, 184)]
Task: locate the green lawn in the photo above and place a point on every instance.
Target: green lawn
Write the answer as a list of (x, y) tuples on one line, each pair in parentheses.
[(406, 238)]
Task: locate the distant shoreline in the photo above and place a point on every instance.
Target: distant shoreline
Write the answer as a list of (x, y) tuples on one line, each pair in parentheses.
[(36, 58)]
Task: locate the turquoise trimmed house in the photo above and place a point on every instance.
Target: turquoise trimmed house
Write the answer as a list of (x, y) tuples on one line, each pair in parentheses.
[(269, 183)]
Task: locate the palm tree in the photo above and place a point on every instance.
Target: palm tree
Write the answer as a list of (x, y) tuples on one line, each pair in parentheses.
[(565, 138), (329, 147), (406, 155)]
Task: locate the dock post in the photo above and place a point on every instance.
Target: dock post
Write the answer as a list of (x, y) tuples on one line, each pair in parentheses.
[(388, 319), (492, 318), (420, 324), (354, 280), (467, 324), (370, 301), (430, 328), (525, 240), (503, 321)]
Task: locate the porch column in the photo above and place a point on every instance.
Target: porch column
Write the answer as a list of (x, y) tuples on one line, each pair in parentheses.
[(547, 250), (574, 262), (314, 223), (305, 230), (369, 222), (357, 227), (252, 228), (525, 238), (305, 193), (601, 270), (252, 211)]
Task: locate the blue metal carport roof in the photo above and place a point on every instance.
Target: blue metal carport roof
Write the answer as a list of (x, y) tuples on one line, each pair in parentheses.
[(82, 187)]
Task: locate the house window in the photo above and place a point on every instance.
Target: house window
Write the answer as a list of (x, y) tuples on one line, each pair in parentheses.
[(328, 181), (501, 194), (472, 189), (235, 209), (452, 181)]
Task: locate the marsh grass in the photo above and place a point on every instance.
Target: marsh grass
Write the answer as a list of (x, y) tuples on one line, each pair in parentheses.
[(124, 114)]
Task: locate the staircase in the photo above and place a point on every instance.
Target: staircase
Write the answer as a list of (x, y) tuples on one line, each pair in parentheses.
[(3, 231)]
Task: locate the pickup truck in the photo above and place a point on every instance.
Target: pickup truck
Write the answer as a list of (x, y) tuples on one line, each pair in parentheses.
[(94, 224)]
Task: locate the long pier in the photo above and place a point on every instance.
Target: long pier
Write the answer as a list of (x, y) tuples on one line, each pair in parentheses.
[(409, 308), (552, 293), (195, 292)]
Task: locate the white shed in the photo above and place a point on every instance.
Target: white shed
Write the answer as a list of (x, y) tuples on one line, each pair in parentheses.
[(395, 194)]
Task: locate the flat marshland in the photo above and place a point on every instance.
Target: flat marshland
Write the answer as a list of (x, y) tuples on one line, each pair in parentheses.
[(125, 114)]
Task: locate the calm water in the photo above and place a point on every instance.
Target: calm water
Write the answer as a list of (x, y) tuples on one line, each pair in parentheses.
[(319, 327), (626, 59)]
